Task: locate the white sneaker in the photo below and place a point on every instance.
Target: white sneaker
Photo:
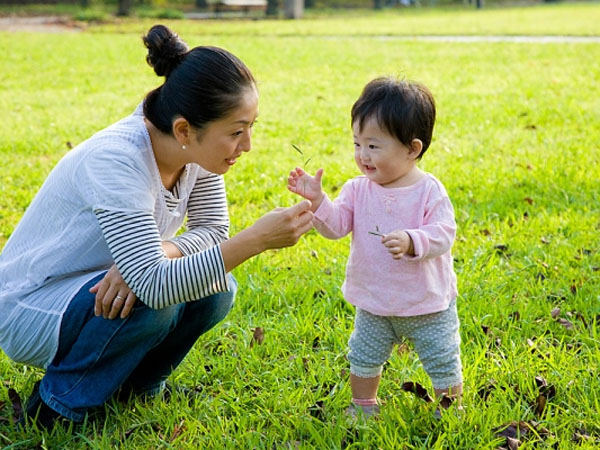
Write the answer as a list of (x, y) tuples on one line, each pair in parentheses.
[(355, 411)]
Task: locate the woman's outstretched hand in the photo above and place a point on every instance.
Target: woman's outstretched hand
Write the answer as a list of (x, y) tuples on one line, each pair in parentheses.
[(309, 187), (113, 296), (282, 227), (279, 228)]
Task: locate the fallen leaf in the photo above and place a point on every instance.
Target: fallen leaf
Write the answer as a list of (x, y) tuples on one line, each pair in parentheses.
[(546, 392), (513, 430), (418, 390), (555, 313), (540, 404), (177, 430), (513, 444), (258, 336), (573, 289), (565, 323), (580, 435), (17, 405), (528, 200), (486, 329), (544, 240), (403, 348), (314, 254)]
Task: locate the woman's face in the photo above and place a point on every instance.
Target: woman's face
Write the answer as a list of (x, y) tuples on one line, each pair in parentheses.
[(217, 146)]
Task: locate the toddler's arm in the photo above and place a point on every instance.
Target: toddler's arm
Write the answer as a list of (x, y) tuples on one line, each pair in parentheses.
[(431, 240), (301, 183)]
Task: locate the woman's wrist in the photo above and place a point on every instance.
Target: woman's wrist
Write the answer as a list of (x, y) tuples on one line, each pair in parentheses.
[(241, 247)]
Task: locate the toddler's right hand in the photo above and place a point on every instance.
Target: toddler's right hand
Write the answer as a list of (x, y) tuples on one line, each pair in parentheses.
[(301, 183)]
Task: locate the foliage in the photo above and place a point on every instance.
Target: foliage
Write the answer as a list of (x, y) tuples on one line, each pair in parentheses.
[(516, 145), (163, 13), (91, 15)]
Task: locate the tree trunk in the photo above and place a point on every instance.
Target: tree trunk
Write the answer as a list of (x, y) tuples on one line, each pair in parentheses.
[(124, 8)]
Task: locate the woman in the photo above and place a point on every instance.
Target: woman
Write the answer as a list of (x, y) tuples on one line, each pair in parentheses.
[(94, 287)]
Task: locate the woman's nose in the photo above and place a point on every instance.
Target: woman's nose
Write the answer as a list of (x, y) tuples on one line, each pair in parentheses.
[(246, 143)]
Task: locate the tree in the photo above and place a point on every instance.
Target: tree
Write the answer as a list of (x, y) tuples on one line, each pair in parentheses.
[(124, 8), (272, 7)]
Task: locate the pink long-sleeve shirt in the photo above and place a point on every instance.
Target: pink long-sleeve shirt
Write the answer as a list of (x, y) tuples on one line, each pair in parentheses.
[(375, 281)]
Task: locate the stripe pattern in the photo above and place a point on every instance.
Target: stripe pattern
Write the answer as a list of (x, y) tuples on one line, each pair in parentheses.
[(208, 218), (135, 244)]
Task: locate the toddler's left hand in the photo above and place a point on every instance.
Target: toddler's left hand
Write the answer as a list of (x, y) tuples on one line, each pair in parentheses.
[(398, 243)]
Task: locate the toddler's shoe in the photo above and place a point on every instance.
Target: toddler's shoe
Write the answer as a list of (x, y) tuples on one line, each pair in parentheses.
[(355, 411)]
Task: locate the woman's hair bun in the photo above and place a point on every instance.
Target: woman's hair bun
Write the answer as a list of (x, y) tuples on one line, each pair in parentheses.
[(165, 49)]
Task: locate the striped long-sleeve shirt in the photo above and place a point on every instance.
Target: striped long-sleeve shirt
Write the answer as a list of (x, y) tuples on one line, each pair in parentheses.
[(135, 245), (102, 204)]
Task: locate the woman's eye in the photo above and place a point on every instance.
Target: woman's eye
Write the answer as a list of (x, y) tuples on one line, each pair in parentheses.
[(238, 133)]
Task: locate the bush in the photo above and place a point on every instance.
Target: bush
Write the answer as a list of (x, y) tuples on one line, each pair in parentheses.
[(90, 15), (164, 13)]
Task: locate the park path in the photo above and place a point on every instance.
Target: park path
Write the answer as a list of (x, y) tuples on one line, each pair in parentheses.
[(58, 24)]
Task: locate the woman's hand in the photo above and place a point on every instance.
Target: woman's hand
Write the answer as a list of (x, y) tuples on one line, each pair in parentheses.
[(301, 183), (398, 243), (282, 227), (113, 296)]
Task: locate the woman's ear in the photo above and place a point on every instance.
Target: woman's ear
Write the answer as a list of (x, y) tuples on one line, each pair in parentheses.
[(414, 151), (181, 131)]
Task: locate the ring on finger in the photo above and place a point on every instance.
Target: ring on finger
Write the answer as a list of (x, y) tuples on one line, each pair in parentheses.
[(118, 297)]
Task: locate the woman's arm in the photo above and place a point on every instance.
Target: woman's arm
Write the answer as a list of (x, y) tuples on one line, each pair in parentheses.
[(158, 281), (207, 216)]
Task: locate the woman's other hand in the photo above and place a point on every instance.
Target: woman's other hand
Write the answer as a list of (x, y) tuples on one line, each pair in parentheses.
[(113, 296), (301, 183)]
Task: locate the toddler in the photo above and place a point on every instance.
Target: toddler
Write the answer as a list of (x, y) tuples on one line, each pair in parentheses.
[(399, 275)]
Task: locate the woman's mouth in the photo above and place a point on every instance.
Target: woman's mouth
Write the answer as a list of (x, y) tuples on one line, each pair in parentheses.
[(231, 161)]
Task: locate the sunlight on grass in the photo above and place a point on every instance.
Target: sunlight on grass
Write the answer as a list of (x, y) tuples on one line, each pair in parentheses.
[(516, 145)]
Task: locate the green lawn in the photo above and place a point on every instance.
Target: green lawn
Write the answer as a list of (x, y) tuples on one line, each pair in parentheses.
[(517, 146)]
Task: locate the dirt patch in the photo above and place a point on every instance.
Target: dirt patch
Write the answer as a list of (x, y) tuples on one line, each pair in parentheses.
[(41, 24)]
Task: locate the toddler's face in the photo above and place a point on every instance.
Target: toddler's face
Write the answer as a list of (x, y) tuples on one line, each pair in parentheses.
[(379, 156)]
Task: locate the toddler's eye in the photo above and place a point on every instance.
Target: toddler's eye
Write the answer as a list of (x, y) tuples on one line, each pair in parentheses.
[(371, 146)]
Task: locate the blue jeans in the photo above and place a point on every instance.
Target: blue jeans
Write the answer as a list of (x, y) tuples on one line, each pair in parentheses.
[(97, 356)]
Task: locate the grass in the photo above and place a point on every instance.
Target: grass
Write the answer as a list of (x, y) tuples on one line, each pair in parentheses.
[(577, 19), (516, 145)]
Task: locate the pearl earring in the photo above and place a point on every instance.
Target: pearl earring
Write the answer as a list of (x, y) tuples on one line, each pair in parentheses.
[(183, 147)]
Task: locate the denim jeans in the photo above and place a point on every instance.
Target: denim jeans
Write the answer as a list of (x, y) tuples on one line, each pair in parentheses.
[(97, 356)]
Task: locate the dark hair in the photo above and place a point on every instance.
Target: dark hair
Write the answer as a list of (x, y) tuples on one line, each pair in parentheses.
[(405, 109), (201, 85)]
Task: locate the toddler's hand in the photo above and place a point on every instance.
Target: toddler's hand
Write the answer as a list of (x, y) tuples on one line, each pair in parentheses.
[(301, 183), (398, 243)]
